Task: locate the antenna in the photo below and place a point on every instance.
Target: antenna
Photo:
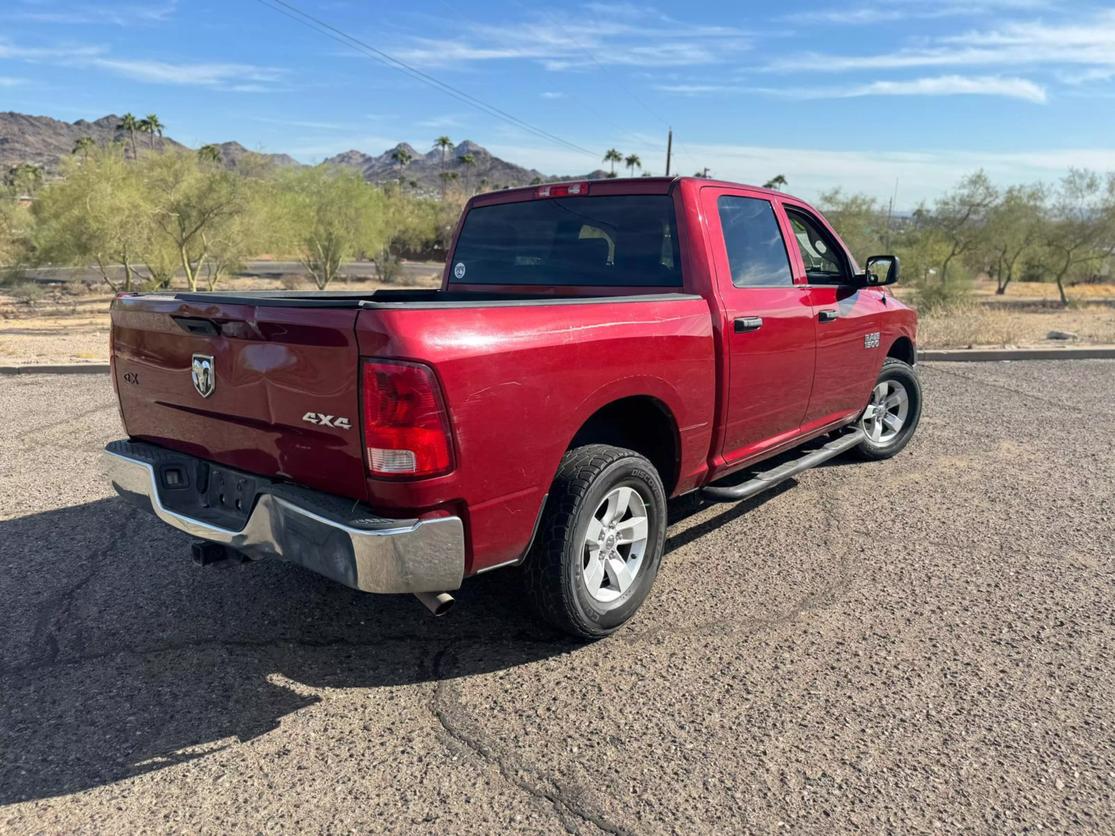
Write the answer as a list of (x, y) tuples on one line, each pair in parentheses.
[(669, 148)]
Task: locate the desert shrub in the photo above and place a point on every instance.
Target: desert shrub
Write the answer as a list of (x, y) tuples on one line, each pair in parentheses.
[(25, 291)]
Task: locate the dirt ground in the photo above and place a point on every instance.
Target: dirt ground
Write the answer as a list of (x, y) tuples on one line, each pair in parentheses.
[(919, 645), (68, 323)]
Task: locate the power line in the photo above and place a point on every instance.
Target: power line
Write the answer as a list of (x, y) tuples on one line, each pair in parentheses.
[(322, 27), (628, 89)]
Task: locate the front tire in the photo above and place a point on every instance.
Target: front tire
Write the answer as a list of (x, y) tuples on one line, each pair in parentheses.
[(600, 541), (892, 413)]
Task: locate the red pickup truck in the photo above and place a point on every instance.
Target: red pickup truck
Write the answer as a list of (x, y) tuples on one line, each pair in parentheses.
[(594, 349)]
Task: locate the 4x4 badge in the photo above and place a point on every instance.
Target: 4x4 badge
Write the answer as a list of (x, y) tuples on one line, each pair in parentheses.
[(204, 374)]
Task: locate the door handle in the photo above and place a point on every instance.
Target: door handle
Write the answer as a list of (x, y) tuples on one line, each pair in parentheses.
[(828, 316), (748, 323)]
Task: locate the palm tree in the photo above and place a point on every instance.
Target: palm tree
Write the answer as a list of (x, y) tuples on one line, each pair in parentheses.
[(152, 127), (613, 156), (209, 154), (129, 123), (632, 162), (778, 182), (83, 146), (468, 161), (443, 144), (402, 158)]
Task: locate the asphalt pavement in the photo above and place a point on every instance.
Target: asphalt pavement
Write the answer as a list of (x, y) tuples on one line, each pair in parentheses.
[(920, 644)]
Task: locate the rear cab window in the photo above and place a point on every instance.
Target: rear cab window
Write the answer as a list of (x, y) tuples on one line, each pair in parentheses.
[(593, 241)]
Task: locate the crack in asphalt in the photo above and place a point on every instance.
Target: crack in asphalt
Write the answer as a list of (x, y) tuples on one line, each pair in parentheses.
[(56, 610), (567, 800)]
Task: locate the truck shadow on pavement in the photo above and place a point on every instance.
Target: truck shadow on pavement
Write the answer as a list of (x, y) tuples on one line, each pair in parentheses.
[(121, 657)]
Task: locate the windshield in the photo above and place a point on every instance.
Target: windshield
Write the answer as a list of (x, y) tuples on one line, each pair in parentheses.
[(622, 240)]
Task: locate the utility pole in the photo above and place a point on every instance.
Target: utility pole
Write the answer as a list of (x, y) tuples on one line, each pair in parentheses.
[(890, 214), (669, 148)]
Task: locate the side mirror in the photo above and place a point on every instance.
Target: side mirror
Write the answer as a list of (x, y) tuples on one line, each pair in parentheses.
[(872, 273)]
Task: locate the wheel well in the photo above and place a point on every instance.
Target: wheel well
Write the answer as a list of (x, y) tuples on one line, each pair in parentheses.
[(903, 349), (643, 424)]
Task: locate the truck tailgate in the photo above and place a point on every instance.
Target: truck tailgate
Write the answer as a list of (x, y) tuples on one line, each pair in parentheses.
[(283, 378)]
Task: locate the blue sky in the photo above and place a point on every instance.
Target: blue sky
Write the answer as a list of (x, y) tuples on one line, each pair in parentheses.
[(854, 94)]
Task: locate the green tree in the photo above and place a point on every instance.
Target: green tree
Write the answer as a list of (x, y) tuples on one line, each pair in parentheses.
[(858, 220), (192, 203), (24, 179), (1079, 232), (632, 162), (15, 231), (443, 145), (130, 125), (402, 157), (778, 182), (1011, 233), (209, 153), (98, 213), (83, 146), (151, 126), (328, 216), (959, 216), (612, 156), (469, 162)]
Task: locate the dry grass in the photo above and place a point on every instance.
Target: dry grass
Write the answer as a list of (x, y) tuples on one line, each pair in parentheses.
[(974, 324)]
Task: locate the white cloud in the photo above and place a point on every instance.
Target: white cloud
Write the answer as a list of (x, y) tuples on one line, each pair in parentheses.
[(947, 85), (9, 81), (896, 10), (553, 94), (201, 75), (598, 35), (1032, 44), (225, 76), (951, 85), (82, 14)]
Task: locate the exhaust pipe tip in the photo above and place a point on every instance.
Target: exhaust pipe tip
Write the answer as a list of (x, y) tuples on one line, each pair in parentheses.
[(439, 603)]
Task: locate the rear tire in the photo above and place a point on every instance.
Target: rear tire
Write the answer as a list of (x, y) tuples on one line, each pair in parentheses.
[(600, 541), (892, 413)]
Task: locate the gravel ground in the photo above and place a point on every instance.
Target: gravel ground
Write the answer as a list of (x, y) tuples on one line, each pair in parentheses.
[(920, 644)]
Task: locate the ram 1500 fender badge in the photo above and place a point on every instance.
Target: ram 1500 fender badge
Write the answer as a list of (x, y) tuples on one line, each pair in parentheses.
[(320, 420), (871, 340)]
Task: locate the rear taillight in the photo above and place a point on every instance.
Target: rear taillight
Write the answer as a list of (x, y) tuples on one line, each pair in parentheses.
[(406, 427)]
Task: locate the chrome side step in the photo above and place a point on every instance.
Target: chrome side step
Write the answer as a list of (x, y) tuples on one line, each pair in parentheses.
[(810, 457)]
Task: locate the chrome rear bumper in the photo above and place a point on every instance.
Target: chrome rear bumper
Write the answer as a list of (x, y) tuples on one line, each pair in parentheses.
[(338, 539)]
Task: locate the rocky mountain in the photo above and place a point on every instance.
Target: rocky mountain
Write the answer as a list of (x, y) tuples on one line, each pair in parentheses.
[(470, 164), (44, 141)]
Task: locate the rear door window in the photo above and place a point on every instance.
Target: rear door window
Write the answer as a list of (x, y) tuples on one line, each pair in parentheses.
[(616, 240), (756, 252)]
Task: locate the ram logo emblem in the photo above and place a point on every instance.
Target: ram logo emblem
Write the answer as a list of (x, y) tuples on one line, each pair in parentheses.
[(204, 374)]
